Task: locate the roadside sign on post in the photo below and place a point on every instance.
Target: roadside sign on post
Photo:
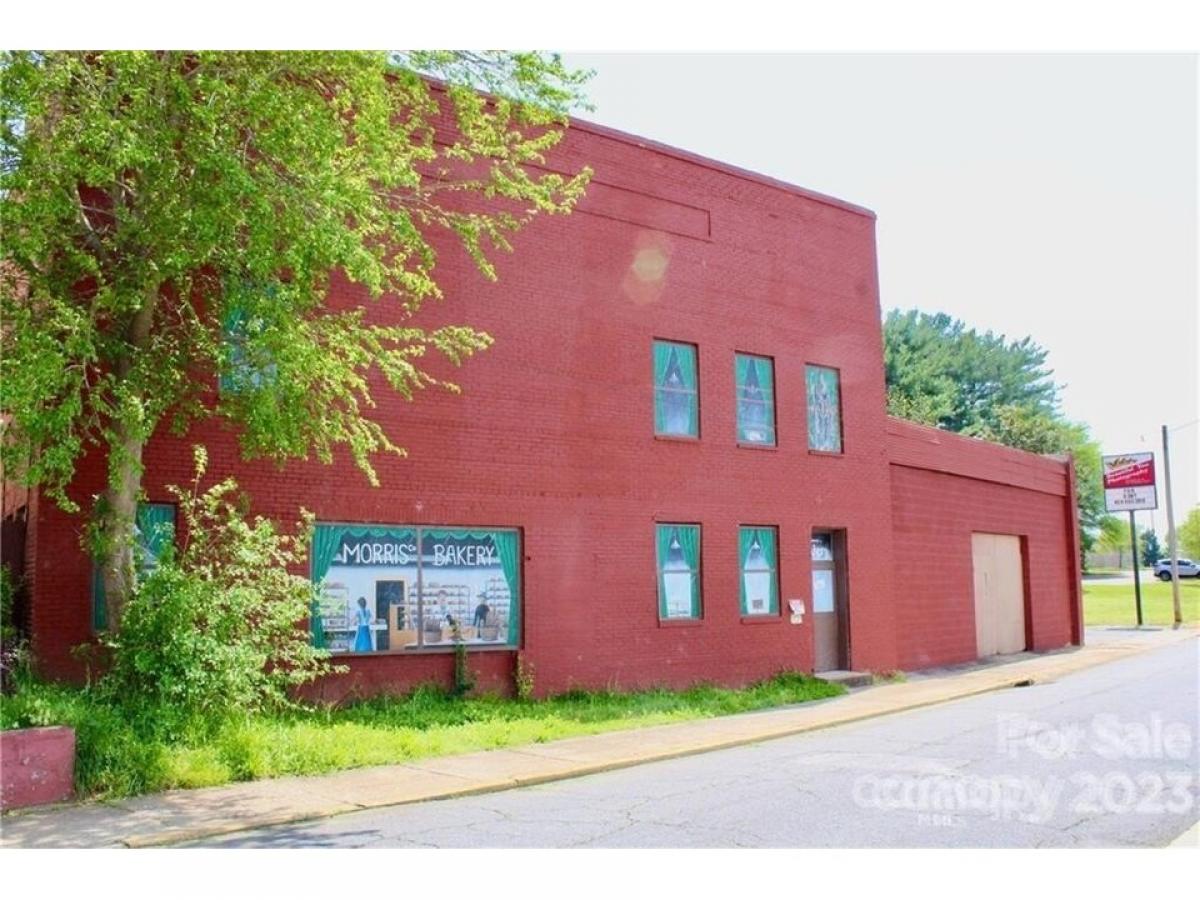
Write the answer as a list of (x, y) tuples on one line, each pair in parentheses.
[(1129, 482)]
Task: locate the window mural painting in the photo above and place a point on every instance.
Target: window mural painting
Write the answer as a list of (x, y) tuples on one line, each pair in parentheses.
[(824, 409), (755, 382), (676, 404), (396, 588), (758, 551), (678, 548)]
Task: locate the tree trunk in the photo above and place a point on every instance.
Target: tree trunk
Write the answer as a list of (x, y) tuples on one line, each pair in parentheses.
[(118, 538), (118, 513)]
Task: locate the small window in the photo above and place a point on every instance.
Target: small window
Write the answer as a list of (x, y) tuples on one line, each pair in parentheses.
[(154, 528), (758, 553), (678, 571), (824, 409), (248, 364), (676, 394), (755, 380)]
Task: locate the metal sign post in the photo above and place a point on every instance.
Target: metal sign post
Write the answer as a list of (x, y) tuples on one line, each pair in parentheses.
[(1137, 578), (1172, 540), (1129, 486)]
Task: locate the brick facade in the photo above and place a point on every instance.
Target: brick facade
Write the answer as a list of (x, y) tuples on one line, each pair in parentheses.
[(554, 434)]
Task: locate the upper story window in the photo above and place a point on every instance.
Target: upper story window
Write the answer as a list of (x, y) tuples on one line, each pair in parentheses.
[(754, 377), (676, 390), (824, 409), (678, 552), (248, 364)]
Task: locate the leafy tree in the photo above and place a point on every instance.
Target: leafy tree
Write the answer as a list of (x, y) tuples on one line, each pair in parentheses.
[(173, 218), (942, 373), (1150, 548), (1188, 535), (211, 631), (1114, 535)]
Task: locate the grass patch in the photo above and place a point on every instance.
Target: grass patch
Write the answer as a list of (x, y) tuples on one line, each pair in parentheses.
[(114, 762), (1113, 604)]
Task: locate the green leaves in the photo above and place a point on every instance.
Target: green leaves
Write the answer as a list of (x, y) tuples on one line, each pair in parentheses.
[(138, 187)]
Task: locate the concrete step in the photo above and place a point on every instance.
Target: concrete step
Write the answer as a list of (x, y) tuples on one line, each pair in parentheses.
[(846, 678)]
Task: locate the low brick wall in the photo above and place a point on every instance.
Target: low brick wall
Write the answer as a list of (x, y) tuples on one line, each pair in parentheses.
[(37, 765)]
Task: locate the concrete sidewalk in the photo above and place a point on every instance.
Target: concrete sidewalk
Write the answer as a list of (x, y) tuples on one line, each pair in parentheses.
[(178, 816)]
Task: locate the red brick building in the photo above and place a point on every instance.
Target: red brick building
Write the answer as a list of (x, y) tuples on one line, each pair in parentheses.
[(673, 465)]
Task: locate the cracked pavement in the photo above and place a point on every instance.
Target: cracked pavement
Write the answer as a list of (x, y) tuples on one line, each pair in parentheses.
[(1106, 757)]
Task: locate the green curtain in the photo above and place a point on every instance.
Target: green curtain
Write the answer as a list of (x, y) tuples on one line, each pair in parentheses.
[(689, 541), (767, 541), (742, 365), (156, 522), (745, 539), (508, 547), (327, 540), (771, 554), (685, 355), (662, 356), (156, 532), (663, 542), (316, 625), (99, 607)]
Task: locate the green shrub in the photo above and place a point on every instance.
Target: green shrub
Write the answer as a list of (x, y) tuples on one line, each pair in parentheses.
[(213, 633)]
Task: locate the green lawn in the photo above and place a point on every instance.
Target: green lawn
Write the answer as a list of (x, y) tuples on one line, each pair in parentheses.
[(113, 761), (1113, 604)]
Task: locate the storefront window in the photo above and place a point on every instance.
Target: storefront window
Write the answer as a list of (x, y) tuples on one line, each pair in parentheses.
[(678, 571), (755, 399), (758, 552), (387, 588), (824, 409), (676, 398)]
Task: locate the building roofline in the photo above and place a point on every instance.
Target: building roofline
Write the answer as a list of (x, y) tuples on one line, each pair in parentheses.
[(696, 159), (635, 140)]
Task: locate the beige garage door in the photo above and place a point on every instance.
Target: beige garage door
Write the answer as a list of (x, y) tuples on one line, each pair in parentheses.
[(999, 594)]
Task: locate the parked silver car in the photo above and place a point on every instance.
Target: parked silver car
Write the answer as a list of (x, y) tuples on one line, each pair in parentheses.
[(1187, 569)]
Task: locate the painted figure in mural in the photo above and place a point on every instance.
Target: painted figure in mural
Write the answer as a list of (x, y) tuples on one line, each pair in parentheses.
[(481, 613), (362, 634)]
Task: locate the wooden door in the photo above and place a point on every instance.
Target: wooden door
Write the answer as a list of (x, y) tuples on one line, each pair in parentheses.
[(999, 594)]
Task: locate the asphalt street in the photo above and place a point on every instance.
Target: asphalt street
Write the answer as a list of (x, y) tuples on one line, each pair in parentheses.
[(1106, 757)]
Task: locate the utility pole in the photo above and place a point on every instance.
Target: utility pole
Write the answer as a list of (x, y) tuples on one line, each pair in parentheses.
[(1171, 539), (1137, 578)]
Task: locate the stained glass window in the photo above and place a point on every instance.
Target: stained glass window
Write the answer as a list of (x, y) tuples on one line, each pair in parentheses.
[(755, 380), (676, 400), (824, 409)]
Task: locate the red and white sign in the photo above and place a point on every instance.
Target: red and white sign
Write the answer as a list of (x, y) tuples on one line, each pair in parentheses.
[(1129, 482)]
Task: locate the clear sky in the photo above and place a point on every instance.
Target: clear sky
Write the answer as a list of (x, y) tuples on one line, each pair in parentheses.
[(1050, 196)]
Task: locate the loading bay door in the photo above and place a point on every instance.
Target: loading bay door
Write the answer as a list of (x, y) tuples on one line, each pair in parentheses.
[(999, 594)]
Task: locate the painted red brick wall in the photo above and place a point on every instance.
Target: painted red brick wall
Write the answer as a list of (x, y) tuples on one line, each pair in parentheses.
[(553, 432), (945, 487)]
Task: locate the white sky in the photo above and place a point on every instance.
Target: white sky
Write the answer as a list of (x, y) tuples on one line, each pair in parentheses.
[(1050, 196)]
